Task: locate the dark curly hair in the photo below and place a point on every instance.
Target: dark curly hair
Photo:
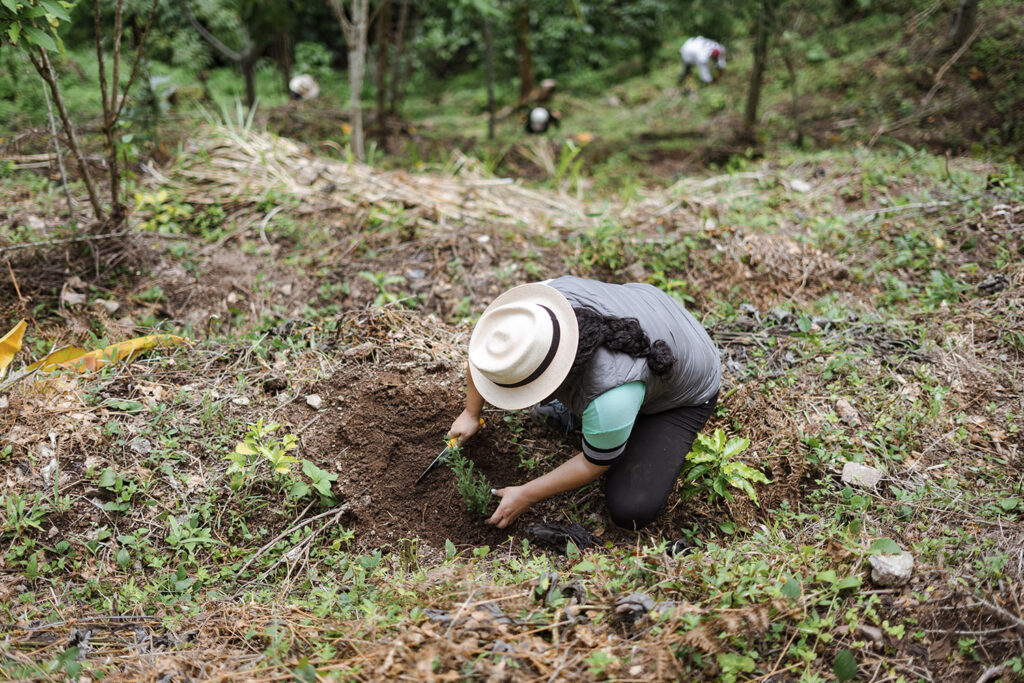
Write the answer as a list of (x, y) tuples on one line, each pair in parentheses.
[(618, 334)]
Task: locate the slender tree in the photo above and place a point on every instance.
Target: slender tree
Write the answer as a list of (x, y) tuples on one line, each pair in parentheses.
[(965, 18), (394, 83), (764, 17), (354, 27), (524, 55), (113, 96), (244, 58)]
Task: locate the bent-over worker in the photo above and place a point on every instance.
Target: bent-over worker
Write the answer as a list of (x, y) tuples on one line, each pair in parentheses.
[(638, 370)]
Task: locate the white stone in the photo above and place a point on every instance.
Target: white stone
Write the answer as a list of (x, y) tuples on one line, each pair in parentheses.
[(800, 185), (141, 445), (110, 306), (314, 401), (856, 474), (847, 413), (891, 570)]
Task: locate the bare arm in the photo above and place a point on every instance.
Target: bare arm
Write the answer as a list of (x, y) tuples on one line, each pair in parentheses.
[(468, 422), (515, 500)]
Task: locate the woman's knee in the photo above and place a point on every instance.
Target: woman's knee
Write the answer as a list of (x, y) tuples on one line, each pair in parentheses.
[(633, 515)]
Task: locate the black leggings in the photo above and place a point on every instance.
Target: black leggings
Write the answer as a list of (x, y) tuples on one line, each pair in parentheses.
[(638, 485)]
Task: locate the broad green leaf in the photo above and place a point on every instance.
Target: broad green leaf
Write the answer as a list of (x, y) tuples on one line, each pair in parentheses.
[(1009, 503), (845, 666), (849, 582), (584, 567), (14, 32), (40, 38), (885, 546), (11, 5), (735, 446), (56, 9), (107, 478), (791, 589), (243, 448), (827, 576), (449, 549), (733, 663)]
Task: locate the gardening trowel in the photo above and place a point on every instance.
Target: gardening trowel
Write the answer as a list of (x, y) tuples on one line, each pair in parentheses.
[(442, 456)]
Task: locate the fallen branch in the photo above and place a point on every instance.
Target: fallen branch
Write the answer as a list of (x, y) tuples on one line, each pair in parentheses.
[(65, 240), (945, 67), (1001, 611)]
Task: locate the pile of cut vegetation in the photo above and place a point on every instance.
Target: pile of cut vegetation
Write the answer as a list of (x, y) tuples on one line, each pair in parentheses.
[(223, 165)]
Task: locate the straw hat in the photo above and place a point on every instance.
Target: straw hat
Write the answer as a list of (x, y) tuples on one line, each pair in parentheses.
[(523, 346)]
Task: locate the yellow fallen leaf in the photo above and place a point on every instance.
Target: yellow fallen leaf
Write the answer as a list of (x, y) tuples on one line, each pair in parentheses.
[(81, 360), (346, 129), (10, 345), (56, 358)]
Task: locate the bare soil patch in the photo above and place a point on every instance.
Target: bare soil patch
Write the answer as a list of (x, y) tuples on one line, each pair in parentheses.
[(379, 427)]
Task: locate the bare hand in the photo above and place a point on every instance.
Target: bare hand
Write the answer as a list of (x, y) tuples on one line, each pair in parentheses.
[(514, 502), (465, 426)]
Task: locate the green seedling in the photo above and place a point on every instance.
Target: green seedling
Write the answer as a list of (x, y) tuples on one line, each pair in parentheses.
[(260, 445), (712, 465), (472, 486)]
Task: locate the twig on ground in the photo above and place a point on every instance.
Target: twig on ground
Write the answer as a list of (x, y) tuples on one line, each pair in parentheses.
[(990, 673), (65, 240)]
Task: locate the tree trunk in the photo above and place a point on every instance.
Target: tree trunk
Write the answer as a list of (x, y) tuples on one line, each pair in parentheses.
[(248, 66), (489, 62), (757, 70), (383, 38), (965, 17), (523, 53), (45, 70), (356, 58), (787, 57), (354, 30), (396, 64)]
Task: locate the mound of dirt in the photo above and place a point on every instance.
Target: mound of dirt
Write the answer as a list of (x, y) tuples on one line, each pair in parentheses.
[(379, 426)]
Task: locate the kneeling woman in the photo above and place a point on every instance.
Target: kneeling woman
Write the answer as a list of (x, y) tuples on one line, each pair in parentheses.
[(640, 370)]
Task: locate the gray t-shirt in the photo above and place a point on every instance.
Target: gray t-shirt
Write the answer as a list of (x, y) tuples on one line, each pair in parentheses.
[(694, 378)]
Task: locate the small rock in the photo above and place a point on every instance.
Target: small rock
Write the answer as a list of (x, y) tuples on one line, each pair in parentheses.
[(415, 273), (613, 101), (633, 606), (993, 283), (361, 351), (286, 289), (780, 316), (856, 474), (141, 446), (69, 298), (821, 322), (109, 306), (314, 401), (3, 403), (240, 401), (800, 185), (232, 298), (891, 570), (48, 470), (750, 309), (847, 413), (871, 633)]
